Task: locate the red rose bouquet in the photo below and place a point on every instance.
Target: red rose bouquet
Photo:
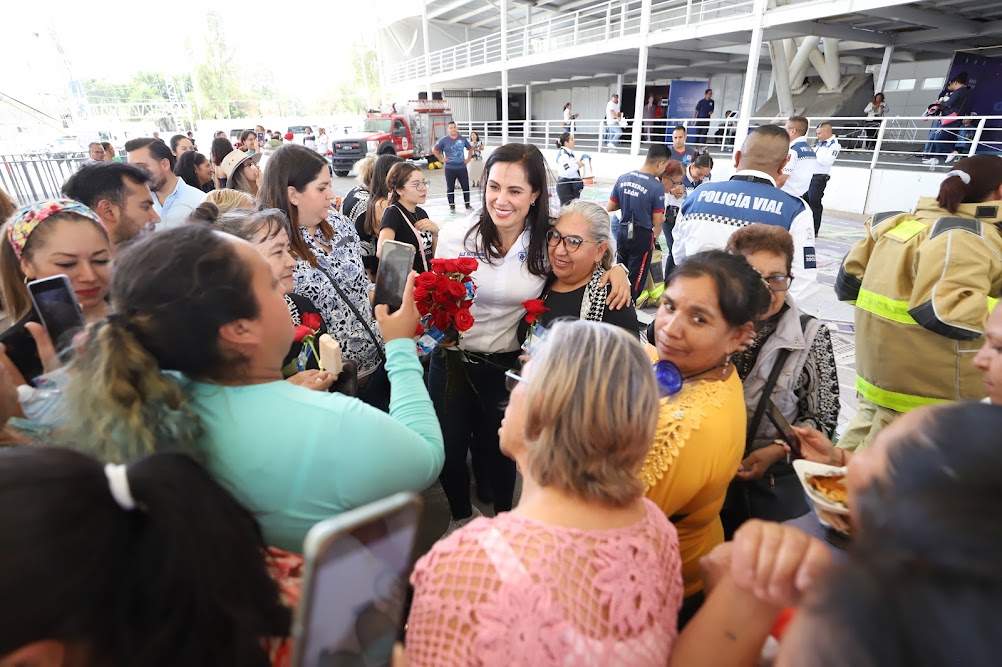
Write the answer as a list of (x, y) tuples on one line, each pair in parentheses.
[(444, 296)]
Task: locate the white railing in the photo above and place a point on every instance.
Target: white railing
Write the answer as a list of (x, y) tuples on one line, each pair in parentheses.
[(589, 25), (866, 142)]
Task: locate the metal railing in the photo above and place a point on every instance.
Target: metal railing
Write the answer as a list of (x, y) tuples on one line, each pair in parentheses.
[(588, 25), (29, 178), (867, 142)]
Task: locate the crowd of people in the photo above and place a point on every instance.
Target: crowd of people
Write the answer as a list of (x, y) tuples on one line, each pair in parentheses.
[(190, 435)]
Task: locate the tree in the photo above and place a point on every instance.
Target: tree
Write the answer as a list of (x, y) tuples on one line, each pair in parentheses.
[(218, 83)]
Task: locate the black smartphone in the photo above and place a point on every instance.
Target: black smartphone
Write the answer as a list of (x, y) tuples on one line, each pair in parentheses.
[(395, 265), (20, 348), (355, 584), (57, 307), (785, 430)]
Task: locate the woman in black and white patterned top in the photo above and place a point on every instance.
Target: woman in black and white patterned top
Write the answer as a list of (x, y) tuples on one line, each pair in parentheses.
[(329, 269)]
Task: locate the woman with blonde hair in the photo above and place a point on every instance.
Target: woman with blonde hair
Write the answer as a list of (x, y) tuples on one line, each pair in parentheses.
[(228, 199), (585, 570)]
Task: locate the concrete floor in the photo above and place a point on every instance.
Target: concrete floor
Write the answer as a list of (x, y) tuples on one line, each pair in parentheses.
[(836, 237)]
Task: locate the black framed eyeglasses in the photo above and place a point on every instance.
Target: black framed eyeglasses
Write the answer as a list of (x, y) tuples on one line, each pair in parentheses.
[(571, 243), (511, 380), (778, 282)]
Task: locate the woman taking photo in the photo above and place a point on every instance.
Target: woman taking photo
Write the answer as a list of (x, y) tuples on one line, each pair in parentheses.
[(710, 307), (476, 165), (329, 270), (404, 220), (194, 169), (45, 239), (792, 363), (194, 351), (579, 252), (242, 173), (509, 240), (569, 183), (152, 563), (578, 428)]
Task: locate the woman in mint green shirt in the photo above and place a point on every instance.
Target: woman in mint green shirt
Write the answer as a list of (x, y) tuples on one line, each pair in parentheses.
[(208, 307)]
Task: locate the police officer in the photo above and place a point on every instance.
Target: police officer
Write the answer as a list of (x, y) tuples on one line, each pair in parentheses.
[(826, 151), (714, 211), (797, 173), (924, 284)]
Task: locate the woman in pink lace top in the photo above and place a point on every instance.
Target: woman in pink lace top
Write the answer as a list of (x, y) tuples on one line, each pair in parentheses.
[(585, 571)]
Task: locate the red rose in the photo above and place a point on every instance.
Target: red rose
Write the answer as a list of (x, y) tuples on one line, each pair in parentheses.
[(423, 308), (438, 265), (420, 294), (302, 331), (463, 320), (312, 320), (456, 290), (427, 280), (442, 298), (466, 265), (442, 320), (535, 306), (452, 307), (466, 304)]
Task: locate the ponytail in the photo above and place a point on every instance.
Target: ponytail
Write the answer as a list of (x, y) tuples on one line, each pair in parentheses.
[(205, 213), (119, 401), (563, 139), (181, 579), (978, 179)]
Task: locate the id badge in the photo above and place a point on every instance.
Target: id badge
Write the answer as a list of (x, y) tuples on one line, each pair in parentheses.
[(533, 339)]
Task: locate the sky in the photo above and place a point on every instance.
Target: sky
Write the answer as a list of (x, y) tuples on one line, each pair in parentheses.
[(300, 43)]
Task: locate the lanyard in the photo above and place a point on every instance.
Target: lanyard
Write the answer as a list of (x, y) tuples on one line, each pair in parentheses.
[(417, 236)]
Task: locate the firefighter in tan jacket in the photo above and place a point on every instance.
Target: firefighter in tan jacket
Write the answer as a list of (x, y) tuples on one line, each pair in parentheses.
[(923, 284)]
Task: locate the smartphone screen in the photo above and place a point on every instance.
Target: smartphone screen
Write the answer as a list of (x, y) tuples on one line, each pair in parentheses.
[(356, 585), (57, 307), (391, 278), (784, 428)]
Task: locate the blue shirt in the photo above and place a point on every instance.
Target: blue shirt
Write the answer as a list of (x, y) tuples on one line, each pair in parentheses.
[(685, 157), (177, 206), (704, 108), (452, 150), (639, 196)]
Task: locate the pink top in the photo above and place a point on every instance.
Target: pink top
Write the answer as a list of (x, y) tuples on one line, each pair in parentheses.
[(515, 591)]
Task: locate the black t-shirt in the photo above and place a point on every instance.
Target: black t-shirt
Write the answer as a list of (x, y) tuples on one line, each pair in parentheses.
[(393, 218), (298, 305), (563, 305)]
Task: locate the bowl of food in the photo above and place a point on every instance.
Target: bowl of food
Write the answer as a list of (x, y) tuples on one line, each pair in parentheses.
[(824, 486)]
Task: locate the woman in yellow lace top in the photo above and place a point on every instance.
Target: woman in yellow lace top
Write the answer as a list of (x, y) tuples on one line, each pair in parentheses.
[(708, 312)]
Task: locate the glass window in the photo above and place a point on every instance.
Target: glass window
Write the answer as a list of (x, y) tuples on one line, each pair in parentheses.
[(933, 83), (906, 84)]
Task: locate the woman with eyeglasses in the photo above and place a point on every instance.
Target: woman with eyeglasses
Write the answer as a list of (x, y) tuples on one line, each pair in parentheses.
[(404, 220), (672, 179), (578, 247), (710, 307), (790, 362)]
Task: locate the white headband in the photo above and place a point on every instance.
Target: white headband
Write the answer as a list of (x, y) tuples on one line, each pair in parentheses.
[(118, 483), (962, 175)]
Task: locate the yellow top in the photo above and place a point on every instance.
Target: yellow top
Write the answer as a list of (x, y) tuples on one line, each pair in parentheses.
[(697, 450)]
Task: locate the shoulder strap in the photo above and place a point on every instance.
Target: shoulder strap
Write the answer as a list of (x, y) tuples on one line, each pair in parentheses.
[(777, 368), (417, 236), (354, 310)]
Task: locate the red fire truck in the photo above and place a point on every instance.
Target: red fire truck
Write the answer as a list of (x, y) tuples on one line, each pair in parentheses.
[(409, 130)]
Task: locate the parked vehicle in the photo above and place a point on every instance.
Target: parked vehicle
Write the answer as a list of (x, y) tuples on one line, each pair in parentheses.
[(409, 130)]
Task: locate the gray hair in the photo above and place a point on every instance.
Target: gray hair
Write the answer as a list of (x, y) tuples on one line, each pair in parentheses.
[(363, 170), (599, 227)]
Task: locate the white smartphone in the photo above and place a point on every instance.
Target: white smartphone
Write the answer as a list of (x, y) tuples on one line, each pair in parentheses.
[(395, 264), (57, 308), (355, 584)]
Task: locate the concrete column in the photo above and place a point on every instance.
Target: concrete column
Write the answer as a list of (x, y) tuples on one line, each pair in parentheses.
[(504, 72), (528, 114), (751, 74), (798, 67), (641, 96), (885, 65), (832, 73), (427, 52), (782, 78)]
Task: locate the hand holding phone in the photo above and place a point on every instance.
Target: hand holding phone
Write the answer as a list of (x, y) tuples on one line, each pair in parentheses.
[(783, 426), (404, 322), (57, 307), (395, 263)]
